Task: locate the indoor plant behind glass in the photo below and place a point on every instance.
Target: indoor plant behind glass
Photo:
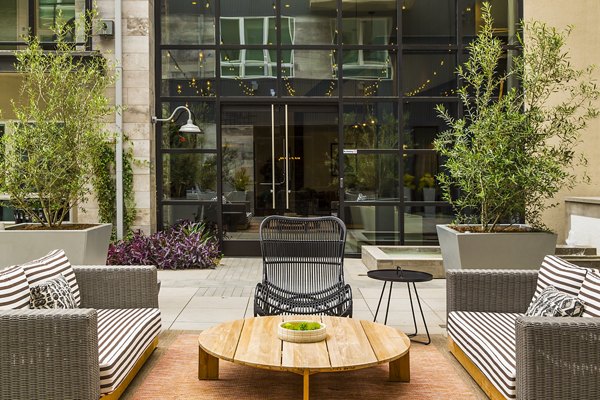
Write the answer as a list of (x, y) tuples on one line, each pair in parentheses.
[(514, 149), (48, 152)]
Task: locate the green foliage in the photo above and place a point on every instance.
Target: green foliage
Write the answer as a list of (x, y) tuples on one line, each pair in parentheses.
[(50, 150), (105, 188), (426, 181), (409, 181), (515, 147), (302, 326), (240, 179)]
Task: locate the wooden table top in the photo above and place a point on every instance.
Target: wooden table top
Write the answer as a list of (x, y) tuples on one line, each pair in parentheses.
[(350, 344)]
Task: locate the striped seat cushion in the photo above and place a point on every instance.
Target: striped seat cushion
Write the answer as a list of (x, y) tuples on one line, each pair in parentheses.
[(51, 266), (488, 339), (14, 289), (123, 336), (590, 295), (563, 275)]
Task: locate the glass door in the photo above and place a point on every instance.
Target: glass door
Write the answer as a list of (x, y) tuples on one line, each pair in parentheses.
[(277, 159)]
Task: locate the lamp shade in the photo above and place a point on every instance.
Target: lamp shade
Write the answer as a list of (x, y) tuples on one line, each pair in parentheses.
[(190, 128)]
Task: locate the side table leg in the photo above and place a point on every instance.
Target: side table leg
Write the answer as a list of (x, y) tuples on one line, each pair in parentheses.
[(208, 365), (400, 369), (306, 390), (387, 310), (378, 304)]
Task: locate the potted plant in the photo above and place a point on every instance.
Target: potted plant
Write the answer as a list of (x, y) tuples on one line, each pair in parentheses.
[(427, 185), (239, 181), (47, 153), (513, 150)]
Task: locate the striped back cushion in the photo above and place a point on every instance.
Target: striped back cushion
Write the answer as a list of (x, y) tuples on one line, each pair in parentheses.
[(590, 295), (14, 289), (563, 275), (51, 266)]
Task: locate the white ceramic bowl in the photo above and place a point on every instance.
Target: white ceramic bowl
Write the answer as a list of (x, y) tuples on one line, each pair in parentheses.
[(293, 336)]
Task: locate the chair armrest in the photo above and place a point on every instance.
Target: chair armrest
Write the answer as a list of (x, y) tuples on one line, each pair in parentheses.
[(117, 286), (508, 291), (558, 358), (49, 354)]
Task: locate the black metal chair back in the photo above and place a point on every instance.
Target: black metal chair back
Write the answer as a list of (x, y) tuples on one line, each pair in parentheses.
[(303, 255)]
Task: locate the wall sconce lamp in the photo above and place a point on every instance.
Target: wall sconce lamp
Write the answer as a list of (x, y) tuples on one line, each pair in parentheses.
[(189, 127)]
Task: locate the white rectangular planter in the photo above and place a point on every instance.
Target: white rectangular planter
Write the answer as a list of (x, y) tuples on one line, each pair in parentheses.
[(83, 247), (504, 250)]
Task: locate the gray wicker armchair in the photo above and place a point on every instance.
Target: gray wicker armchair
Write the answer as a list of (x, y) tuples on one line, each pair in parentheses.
[(303, 267), (54, 354), (554, 358)]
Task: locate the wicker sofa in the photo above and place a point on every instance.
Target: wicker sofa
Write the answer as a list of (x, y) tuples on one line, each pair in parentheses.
[(89, 352), (511, 355)]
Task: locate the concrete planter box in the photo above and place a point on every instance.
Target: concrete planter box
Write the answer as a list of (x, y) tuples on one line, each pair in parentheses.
[(83, 247), (510, 250)]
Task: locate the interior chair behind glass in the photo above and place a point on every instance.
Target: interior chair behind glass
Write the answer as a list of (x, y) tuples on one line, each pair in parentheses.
[(303, 267)]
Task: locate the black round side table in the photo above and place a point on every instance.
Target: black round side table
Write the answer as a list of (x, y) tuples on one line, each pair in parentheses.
[(402, 275)]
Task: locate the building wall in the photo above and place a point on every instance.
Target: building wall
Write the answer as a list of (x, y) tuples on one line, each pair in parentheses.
[(138, 101), (583, 46)]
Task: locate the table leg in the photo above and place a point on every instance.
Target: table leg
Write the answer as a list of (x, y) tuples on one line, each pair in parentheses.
[(387, 310), (378, 304), (400, 369), (208, 365), (413, 315), (306, 389)]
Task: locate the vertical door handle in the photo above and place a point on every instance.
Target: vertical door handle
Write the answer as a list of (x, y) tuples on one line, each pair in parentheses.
[(287, 162), (273, 153)]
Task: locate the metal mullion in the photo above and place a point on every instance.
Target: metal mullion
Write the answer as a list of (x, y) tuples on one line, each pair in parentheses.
[(158, 127), (400, 112), (32, 12), (377, 151), (187, 46), (248, 47), (397, 203), (430, 99), (183, 99), (340, 101), (369, 99), (279, 61), (430, 47), (311, 47), (219, 138), (189, 151)]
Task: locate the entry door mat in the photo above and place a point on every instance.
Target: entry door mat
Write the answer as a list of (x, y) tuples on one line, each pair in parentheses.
[(171, 373)]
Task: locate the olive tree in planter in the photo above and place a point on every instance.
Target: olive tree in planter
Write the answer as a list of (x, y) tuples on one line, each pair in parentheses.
[(514, 149), (47, 154)]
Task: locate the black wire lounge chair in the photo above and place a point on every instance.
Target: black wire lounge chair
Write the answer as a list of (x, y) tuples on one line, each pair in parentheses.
[(303, 267)]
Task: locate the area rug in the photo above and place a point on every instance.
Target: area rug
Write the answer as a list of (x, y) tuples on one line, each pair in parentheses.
[(172, 374)]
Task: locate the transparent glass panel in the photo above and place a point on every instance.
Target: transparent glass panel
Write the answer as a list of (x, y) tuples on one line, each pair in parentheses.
[(429, 21), (206, 211), (187, 22), (309, 72), (14, 21), (369, 22), (203, 115), (371, 225), (422, 123), (190, 176), (420, 172), (49, 12), (249, 78), (429, 74), (368, 73), (371, 177), (419, 225), (505, 14), (188, 73), (371, 126), (309, 22)]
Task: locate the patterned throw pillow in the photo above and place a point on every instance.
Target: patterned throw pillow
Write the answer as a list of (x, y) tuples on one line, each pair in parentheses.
[(49, 267), (554, 303), (563, 275), (54, 293), (590, 295)]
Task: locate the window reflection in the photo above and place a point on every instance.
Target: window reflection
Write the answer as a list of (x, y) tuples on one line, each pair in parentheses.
[(314, 22), (13, 20), (187, 22), (504, 13), (203, 115), (429, 74), (371, 177), (369, 22), (188, 73), (428, 21)]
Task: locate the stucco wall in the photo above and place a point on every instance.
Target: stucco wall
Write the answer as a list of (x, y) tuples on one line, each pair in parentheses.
[(584, 48)]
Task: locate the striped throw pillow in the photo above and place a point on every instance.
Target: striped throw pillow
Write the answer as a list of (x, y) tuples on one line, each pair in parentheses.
[(14, 289), (590, 295), (563, 275), (51, 266)]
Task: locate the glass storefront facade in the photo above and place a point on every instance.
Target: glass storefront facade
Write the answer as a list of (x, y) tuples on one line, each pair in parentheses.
[(311, 108)]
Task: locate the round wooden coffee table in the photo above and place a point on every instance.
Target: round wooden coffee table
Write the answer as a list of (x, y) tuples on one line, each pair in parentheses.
[(350, 344)]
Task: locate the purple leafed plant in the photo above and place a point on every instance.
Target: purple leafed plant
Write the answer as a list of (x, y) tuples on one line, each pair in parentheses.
[(186, 244)]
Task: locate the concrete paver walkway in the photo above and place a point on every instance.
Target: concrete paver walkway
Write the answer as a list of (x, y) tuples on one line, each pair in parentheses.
[(199, 299)]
